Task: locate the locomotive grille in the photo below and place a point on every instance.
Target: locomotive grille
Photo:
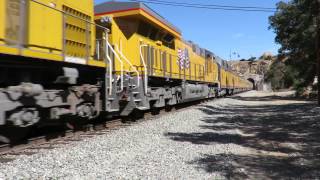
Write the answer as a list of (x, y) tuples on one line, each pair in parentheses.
[(77, 34), (15, 22)]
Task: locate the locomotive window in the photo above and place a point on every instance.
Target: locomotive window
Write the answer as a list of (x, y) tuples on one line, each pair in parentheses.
[(160, 35), (153, 33), (170, 45), (168, 38), (144, 29)]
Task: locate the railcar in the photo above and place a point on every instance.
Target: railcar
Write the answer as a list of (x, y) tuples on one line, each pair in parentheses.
[(48, 68), (173, 69), (64, 60)]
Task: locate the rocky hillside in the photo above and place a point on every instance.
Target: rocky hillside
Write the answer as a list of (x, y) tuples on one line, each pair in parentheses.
[(250, 67)]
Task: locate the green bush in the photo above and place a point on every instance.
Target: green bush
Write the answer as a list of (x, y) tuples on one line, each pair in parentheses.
[(293, 23)]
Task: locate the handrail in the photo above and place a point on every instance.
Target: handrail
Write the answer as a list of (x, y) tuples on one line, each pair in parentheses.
[(110, 67), (98, 49), (121, 64), (131, 65), (110, 74), (145, 69)]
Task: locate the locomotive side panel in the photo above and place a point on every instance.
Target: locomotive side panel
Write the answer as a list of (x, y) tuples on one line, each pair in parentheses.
[(130, 35), (44, 27), (211, 71), (58, 30), (2, 20), (10, 25), (223, 81), (126, 38)]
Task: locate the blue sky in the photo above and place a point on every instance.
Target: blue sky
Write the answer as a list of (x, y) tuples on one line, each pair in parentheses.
[(245, 33)]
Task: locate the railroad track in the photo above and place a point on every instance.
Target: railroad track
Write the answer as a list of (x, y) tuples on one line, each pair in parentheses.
[(9, 152)]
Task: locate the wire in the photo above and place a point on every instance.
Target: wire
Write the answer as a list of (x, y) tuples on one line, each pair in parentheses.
[(208, 6), (214, 5)]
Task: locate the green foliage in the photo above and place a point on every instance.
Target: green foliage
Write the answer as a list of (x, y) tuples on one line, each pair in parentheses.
[(294, 24), (277, 75), (252, 59)]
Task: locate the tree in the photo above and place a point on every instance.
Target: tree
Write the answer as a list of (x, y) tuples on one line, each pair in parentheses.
[(279, 75), (294, 25), (252, 59)]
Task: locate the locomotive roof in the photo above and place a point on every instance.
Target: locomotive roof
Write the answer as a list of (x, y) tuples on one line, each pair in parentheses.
[(116, 7)]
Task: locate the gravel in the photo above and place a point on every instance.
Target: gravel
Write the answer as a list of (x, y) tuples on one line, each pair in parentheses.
[(168, 147)]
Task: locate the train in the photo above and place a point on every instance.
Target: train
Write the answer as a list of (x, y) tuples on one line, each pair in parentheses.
[(62, 60)]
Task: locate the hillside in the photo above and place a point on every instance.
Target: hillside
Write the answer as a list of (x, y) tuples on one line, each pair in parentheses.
[(244, 68)]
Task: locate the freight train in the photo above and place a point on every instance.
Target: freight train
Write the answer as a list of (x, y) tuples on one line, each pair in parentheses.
[(65, 59)]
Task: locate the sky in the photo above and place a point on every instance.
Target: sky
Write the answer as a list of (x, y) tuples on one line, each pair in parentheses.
[(222, 32)]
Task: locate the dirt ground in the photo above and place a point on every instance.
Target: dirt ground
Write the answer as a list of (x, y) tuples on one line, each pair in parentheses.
[(280, 135)]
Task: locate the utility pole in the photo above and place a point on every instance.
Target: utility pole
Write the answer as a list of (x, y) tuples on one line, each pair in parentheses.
[(318, 46)]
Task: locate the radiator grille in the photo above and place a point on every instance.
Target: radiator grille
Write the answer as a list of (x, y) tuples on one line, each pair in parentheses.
[(77, 34)]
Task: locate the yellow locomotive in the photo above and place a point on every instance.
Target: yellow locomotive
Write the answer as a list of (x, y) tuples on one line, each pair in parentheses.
[(62, 58)]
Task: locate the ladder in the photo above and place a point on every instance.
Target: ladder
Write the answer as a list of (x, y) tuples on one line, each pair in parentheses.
[(118, 83)]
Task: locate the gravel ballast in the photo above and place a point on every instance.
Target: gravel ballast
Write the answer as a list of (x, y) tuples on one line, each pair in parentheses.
[(194, 143)]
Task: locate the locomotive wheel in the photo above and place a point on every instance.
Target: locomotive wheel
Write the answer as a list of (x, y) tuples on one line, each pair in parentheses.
[(133, 116), (75, 123), (12, 134)]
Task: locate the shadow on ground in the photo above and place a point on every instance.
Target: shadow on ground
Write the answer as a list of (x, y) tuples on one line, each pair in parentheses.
[(290, 132), (271, 98)]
